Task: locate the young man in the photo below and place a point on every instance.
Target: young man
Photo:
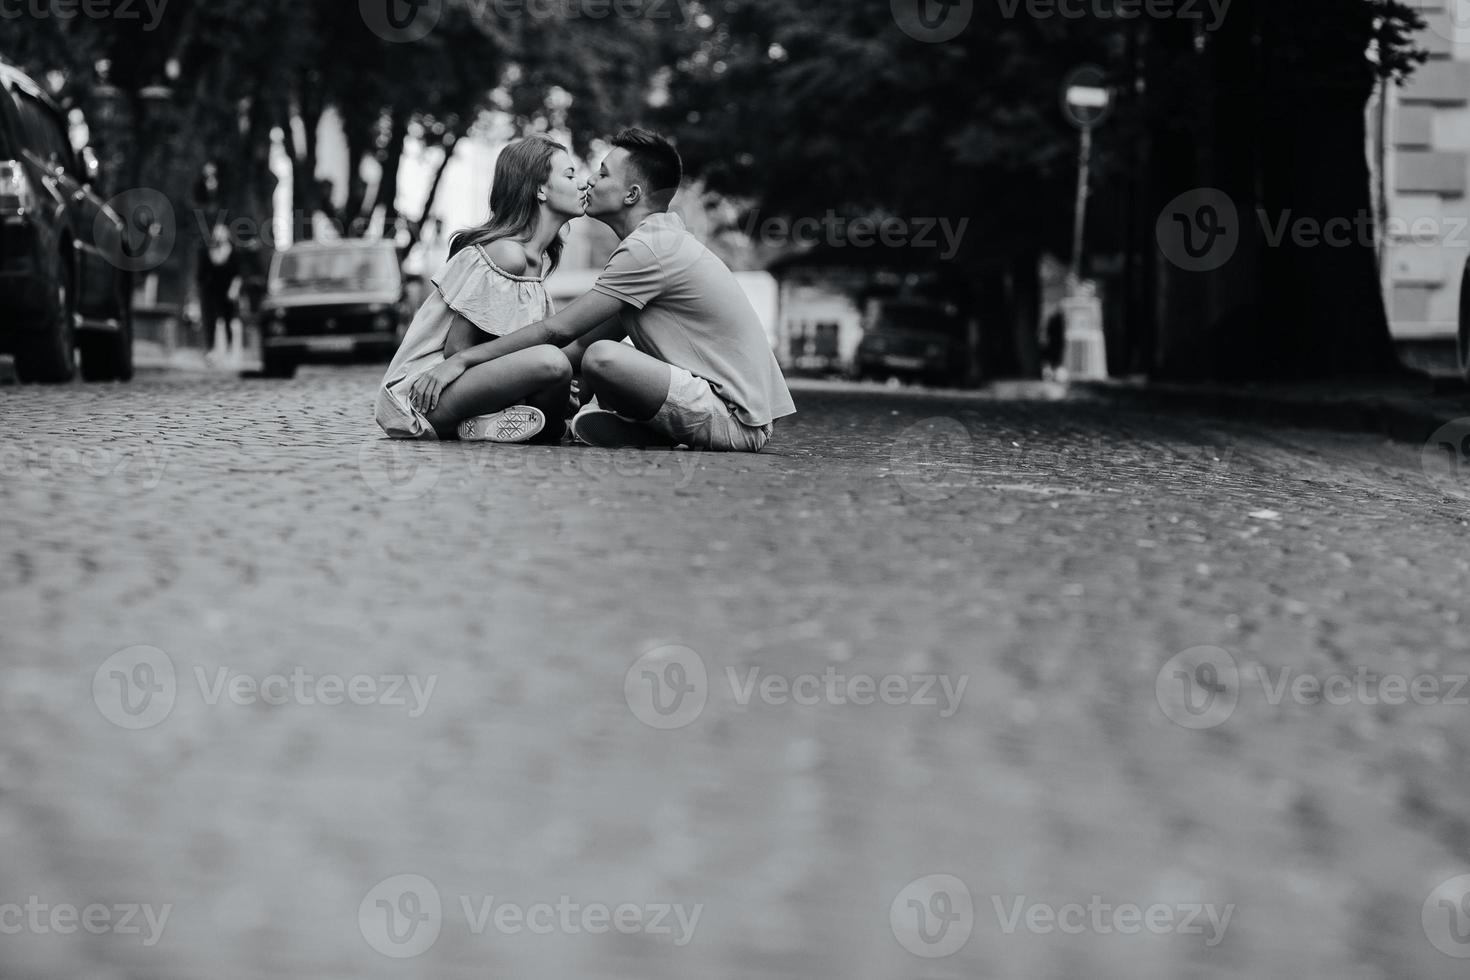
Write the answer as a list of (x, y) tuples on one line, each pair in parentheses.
[(701, 372)]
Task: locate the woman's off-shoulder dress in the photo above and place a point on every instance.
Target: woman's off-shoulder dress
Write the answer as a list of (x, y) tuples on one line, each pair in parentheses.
[(473, 286)]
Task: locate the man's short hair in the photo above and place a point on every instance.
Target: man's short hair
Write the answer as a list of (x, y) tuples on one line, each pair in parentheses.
[(656, 161)]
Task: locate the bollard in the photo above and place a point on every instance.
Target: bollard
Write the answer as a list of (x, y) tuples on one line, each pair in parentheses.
[(1085, 355)]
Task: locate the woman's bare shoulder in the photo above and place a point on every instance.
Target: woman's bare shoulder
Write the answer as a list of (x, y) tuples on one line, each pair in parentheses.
[(509, 255)]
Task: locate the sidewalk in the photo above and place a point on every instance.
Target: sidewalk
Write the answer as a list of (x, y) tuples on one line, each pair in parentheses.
[(151, 355), (1408, 411)]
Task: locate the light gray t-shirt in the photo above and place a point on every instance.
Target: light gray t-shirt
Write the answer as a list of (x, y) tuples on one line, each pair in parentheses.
[(684, 307)]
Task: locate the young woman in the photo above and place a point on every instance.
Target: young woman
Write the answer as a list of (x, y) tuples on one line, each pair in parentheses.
[(492, 285)]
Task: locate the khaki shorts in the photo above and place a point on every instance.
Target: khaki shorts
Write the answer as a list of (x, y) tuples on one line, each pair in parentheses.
[(693, 414)]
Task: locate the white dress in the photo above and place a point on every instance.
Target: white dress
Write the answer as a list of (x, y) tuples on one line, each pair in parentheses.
[(473, 286)]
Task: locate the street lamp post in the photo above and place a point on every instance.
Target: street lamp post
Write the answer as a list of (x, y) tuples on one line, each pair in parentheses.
[(1086, 100)]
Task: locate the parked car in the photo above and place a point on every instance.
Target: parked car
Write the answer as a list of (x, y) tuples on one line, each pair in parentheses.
[(332, 302), (63, 283), (911, 340)]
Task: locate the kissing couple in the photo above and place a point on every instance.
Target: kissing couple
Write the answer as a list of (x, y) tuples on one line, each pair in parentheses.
[(487, 357)]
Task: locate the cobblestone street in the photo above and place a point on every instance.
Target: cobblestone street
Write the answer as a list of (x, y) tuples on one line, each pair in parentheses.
[(260, 663)]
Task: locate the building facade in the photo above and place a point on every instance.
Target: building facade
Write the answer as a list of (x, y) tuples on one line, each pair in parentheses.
[(1426, 172)]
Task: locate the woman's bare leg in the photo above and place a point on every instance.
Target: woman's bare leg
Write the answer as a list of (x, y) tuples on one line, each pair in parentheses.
[(501, 383)]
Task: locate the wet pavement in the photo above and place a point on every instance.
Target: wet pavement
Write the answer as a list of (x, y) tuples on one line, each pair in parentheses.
[(937, 686)]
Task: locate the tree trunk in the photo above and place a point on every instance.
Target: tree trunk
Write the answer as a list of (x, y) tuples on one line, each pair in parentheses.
[(416, 232), (1023, 307), (388, 184), (305, 196), (359, 144), (998, 355), (1286, 139)]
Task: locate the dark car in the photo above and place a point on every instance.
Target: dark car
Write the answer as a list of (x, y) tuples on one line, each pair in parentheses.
[(1463, 334), (62, 279), (332, 302), (911, 340)]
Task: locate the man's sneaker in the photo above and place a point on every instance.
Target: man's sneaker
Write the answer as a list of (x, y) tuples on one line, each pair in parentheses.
[(519, 423), (609, 430)]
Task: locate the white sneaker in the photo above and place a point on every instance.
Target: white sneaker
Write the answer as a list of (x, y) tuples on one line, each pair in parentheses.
[(519, 423)]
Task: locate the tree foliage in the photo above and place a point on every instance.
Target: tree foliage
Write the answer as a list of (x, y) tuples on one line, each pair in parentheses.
[(236, 70)]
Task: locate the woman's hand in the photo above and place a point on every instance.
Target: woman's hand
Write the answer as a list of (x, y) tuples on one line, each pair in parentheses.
[(424, 393)]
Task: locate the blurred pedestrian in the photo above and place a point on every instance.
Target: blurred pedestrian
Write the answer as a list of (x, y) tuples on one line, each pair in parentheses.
[(1054, 345), (219, 288), (217, 266)]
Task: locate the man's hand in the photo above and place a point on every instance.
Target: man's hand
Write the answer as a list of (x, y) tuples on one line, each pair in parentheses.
[(424, 393)]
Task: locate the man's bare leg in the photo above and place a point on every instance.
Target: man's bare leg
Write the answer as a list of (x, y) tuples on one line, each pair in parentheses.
[(628, 382)]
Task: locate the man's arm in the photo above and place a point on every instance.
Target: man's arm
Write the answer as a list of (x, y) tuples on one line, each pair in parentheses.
[(578, 320), (585, 314), (610, 329)]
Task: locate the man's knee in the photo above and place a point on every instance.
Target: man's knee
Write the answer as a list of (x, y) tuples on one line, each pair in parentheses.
[(601, 358), (552, 365)]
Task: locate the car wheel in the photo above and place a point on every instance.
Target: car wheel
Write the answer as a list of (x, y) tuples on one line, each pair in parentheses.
[(49, 355), (277, 365), (108, 356)]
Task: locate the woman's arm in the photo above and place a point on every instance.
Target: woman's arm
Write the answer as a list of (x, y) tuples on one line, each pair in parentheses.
[(462, 335)]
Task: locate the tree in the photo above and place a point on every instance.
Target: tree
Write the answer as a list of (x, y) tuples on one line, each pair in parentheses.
[(1280, 97)]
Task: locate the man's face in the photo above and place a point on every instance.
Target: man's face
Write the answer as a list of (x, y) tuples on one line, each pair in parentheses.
[(610, 184)]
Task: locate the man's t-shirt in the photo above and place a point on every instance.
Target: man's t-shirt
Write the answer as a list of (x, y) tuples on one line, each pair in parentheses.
[(684, 307)]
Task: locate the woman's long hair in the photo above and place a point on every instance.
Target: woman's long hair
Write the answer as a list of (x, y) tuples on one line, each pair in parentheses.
[(523, 166)]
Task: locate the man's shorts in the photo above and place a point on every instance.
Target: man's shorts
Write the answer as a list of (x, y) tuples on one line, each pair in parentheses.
[(694, 415)]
